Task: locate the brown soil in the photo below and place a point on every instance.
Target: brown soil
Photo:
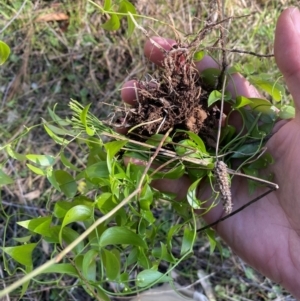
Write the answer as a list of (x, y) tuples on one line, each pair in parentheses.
[(173, 98)]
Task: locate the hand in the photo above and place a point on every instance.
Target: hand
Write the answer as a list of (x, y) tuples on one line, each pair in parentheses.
[(266, 234)]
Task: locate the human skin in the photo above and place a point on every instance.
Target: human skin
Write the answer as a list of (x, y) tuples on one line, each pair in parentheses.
[(265, 234)]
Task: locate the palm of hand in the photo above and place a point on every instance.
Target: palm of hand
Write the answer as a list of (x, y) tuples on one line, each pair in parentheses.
[(265, 234)]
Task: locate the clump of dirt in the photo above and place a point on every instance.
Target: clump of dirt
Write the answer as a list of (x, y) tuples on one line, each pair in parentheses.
[(173, 98)]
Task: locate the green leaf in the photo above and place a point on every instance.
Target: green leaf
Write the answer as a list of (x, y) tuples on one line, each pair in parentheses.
[(5, 179), (97, 172), (77, 213), (112, 24), (156, 139), (69, 235), (89, 265), (212, 240), (192, 195), (188, 241), (105, 202), (40, 225), (213, 97), (21, 254), (127, 7), (262, 105), (146, 197), (287, 112), (57, 119), (198, 56), (210, 76), (121, 235), (67, 163), (57, 139), (271, 88), (245, 150), (23, 239), (83, 117), (61, 268), (150, 277), (4, 52), (111, 263), (112, 149), (242, 101), (37, 170), (107, 5), (42, 160), (14, 154), (66, 183)]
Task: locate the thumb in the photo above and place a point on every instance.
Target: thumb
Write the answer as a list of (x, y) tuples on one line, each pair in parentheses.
[(286, 48)]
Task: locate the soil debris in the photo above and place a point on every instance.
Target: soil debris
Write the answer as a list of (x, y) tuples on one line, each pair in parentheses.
[(173, 98)]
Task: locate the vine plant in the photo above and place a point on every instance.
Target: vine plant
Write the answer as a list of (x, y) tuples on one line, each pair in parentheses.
[(104, 229)]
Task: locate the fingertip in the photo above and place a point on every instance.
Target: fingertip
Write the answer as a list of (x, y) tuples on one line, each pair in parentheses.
[(286, 50), (206, 63), (152, 50), (128, 91)]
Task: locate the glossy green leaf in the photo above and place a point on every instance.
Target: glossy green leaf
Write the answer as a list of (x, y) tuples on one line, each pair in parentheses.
[(120, 235), (188, 241), (66, 183), (192, 195), (57, 139), (51, 178), (77, 213), (242, 101), (69, 235), (107, 5), (287, 112), (89, 265), (4, 52), (127, 7), (97, 171), (112, 149), (40, 225), (21, 254), (143, 260), (150, 277), (36, 170), (58, 120), (269, 87), (156, 139), (198, 56), (42, 160), (23, 239), (111, 263), (146, 197), (112, 24), (199, 142), (213, 97), (66, 162), (212, 241), (5, 179), (163, 254), (83, 117), (105, 202), (245, 150), (14, 154), (262, 106), (61, 268)]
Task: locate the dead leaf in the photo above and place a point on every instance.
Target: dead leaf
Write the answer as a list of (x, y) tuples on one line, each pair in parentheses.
[(56, 16), (32, 195)]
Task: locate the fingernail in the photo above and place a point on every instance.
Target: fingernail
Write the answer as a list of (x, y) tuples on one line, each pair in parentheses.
[(295, 16)]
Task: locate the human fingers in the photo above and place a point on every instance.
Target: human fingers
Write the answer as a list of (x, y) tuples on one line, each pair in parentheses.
[(286, 49)]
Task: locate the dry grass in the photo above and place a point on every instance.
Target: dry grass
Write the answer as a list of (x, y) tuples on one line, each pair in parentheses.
[(52, 62)]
